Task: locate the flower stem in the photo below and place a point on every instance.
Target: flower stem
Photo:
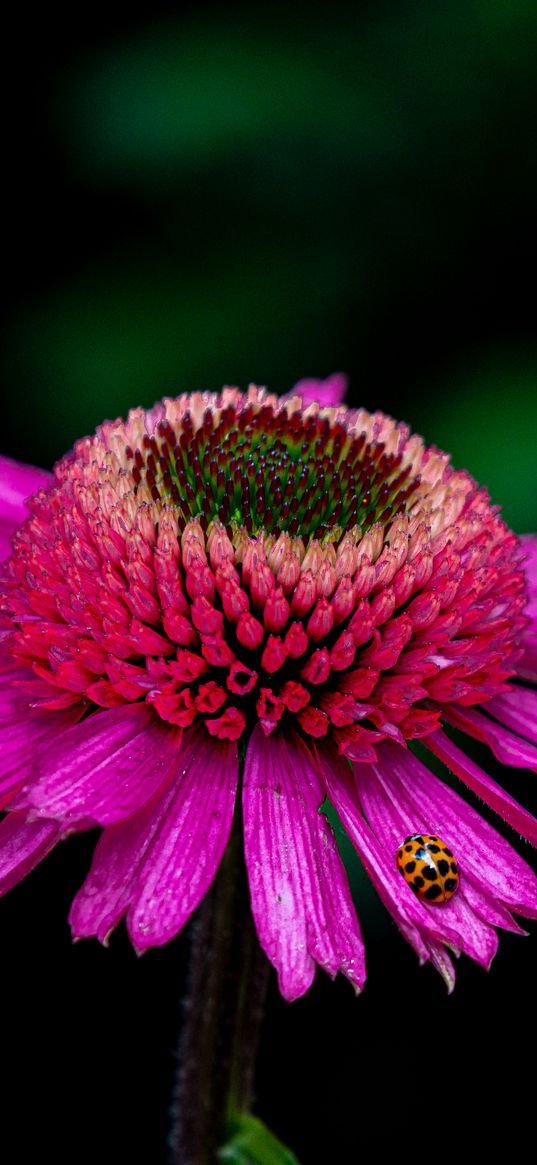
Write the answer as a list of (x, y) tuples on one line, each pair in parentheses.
[(228, 978)]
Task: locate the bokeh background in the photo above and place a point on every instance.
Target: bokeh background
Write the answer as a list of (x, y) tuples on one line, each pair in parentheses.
[(206, 194)]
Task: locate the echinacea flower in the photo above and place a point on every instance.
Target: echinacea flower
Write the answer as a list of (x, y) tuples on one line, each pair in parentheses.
[(287, 594)]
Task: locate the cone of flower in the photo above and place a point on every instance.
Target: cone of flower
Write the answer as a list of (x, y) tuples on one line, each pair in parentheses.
[(238, 596)]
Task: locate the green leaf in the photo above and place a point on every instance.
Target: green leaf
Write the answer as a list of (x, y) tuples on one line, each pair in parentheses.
[(253, 1144)]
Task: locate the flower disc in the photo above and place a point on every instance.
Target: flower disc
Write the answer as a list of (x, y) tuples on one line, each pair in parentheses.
[(236, 558)]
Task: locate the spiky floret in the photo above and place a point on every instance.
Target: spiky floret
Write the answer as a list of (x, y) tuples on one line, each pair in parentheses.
[(232, 558), (266, 469)]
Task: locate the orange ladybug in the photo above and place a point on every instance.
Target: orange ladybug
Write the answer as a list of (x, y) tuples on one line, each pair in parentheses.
[(428, 867)]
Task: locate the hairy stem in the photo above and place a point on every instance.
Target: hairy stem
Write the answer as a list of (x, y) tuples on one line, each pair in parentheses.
[(226, 992)]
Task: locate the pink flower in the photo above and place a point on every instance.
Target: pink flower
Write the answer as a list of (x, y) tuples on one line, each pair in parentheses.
[(295, 583)]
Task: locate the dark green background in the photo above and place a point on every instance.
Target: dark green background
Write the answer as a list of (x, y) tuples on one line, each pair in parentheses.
[(218, 194)]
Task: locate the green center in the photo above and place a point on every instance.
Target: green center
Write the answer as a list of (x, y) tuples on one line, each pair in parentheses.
[(264, 470)]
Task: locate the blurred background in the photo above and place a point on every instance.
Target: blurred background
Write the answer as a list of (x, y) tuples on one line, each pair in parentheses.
[(203, 194)]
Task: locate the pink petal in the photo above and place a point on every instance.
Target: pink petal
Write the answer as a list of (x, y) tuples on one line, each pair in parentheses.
[(328, 393), (181, 862), (489, 909), (26, 735), (418, 924), (442, 963), (387, 796), (517, 710), (23, 844), (510, 749), (527, 665), (17, 483), (106, 894), (529, 543), (125, 858), (106, 767), (301, 901), (490, 792), (403, 796)]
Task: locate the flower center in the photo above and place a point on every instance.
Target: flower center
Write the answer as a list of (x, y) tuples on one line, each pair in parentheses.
[(268, 470), (252, 562)]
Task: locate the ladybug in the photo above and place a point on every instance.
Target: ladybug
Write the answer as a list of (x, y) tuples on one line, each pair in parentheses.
[(428, 867)]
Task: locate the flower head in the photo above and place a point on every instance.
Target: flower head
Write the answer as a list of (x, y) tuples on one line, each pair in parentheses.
[(295, 583)]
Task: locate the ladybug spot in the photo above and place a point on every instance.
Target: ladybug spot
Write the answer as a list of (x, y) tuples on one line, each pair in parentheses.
[(443, 867), (431, 873), (433, 849), (408, 849), (432, 892), (448, 852), (410, 867), (449, 884), (418, 883), (454, 868)]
